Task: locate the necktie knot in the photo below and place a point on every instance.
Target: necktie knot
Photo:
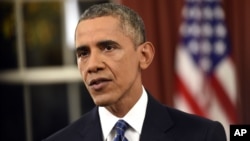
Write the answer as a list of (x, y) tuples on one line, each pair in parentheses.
[(120, 127)]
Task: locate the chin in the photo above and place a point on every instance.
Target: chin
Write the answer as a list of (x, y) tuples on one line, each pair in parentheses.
[(102, 102)]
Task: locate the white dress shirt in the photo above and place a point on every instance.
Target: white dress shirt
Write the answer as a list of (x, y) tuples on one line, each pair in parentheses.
[(135, 118)]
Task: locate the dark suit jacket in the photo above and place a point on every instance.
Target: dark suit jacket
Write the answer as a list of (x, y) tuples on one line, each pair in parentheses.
[(161, 124)]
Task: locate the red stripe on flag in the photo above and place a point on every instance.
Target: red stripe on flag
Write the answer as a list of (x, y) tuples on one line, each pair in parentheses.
[(187, 95), (225, 102)]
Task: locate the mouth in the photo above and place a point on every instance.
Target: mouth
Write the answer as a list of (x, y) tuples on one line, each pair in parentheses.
[(98, 84)]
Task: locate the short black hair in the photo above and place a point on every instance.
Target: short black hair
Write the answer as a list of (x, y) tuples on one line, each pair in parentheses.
[(130, 21)]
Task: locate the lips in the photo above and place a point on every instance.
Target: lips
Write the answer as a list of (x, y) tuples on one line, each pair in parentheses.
[(98, 83)]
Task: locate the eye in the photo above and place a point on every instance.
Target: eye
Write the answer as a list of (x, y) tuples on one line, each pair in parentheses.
[(82, 52), (109, 47)]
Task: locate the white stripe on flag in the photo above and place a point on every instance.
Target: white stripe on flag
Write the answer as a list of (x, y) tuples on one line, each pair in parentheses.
[(205, 74)]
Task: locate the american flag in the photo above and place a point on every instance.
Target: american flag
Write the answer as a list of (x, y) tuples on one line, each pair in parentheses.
[(205, 73)]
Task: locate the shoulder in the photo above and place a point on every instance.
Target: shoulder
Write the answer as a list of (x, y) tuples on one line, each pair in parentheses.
[(182, 126), (76, 129), (181, 117), (193, 126)]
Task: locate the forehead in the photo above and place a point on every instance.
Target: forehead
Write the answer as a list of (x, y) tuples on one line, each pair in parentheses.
[(100, 28), (106, 23)]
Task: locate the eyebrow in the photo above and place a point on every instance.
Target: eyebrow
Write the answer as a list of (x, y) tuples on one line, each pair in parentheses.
[(81, 48), (99, 44), (106, 42)]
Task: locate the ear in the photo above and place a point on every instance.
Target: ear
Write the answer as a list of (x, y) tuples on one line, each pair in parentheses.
[(147, 52)]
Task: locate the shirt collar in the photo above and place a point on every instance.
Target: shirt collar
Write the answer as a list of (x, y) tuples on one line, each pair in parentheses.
[(134, 117)]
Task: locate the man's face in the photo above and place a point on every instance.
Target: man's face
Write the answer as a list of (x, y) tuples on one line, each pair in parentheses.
[(108, 61)]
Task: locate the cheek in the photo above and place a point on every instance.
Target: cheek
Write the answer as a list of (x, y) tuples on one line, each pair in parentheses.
[(81, 69), (79, 66), (126, 69)]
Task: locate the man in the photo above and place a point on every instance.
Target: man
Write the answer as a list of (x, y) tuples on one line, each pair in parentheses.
[(111, 53)]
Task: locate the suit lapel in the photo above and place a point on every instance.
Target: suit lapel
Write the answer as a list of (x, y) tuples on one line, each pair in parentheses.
[(92, 129), (157, 122)]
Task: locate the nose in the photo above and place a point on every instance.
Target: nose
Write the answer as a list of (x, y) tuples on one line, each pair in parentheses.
[(95, 63)]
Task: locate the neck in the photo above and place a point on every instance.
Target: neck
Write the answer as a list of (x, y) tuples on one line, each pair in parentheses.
[(121, 108)]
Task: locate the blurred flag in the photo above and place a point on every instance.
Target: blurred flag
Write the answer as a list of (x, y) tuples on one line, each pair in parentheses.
[(205, 73)]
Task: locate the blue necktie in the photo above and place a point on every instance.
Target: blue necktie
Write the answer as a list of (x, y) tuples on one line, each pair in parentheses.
[(120, 128)]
